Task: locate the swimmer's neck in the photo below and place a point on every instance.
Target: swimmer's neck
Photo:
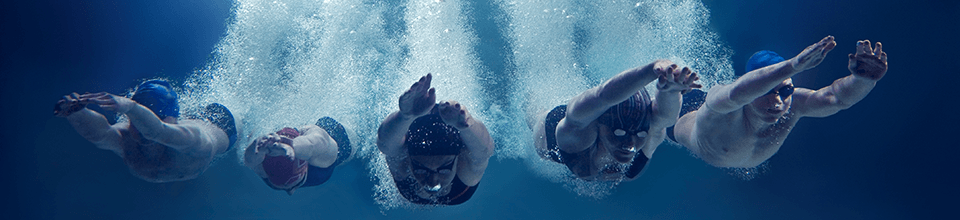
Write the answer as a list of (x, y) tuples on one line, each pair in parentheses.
[(756, 123)]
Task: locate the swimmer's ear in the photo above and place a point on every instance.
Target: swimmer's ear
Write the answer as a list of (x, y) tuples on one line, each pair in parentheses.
[(290, 191)]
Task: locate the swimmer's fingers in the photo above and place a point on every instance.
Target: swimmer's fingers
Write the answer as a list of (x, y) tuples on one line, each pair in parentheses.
[(431, 95), (684, 75), (669, 75), (286, 140), (878, 50), (883, 57), (662, 81), (67, 106), (453, 114), (830, 45), (690, 81), (106, 100), (867, 47), (99, 95), (420, 87), (424, 84), (429, 79), (98, 98), (263, 143), (825, 46)]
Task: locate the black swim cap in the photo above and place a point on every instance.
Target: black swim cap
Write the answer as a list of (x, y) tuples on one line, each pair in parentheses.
[(629, 115), (159, 97), (430, 136)]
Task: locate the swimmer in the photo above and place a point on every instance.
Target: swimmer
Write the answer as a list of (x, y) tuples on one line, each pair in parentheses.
[(299, 157), (610, 132), (437, 153), (155, 143), (743, 124)]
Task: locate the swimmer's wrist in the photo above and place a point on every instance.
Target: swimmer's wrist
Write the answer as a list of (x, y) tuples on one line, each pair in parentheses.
[(59, 111), (863, 78), (406, 117), (873, 77)]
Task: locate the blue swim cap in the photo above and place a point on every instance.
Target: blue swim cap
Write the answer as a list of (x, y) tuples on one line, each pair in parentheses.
[(762, 59), (159, 97)]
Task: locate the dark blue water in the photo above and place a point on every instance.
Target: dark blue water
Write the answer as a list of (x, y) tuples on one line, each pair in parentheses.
[(889, 157)]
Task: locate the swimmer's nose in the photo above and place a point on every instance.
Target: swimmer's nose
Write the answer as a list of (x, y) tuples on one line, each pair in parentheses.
[(433, 182), (778, 100)]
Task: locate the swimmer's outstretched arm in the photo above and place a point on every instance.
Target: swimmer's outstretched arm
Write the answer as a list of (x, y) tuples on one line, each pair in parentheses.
[(666, 106), (670, 86), (182, 138), (91, 125), (415, 102), (866, 67), (479, 145), (253, 157), (574, 133), (315, 146), (728, 98)]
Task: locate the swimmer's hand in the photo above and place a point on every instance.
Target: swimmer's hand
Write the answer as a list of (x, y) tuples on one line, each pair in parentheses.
[(454, 114), (675, 80), (868, 62), (253, 155), (68, 105), (813, 55), (276, 145), (419, 99), (109, 101)]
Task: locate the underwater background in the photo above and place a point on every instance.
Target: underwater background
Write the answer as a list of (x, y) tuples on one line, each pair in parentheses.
[(891, 156)]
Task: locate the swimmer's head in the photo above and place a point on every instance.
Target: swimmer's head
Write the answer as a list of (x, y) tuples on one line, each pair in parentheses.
[(433, 146), (284, 173), (772, 106), (624, 127), (430, 136), (158, 96), (762, 59)]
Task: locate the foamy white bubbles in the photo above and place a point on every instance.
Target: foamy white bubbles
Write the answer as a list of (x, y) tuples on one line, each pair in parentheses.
[(290, 62)]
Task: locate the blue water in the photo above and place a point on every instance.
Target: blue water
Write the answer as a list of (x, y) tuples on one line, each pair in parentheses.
[(889, 157)]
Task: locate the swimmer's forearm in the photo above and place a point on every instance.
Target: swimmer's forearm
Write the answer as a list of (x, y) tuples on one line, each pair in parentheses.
[(625, 84), (91, 125), (391, 132), (846, 92), (854, 88), (666, 109), (477, 139), (590, 104), (146, 122), (152, 128), (315, 146), (308, 143), (728, 98), (254, 161), (250, 156), (758, 82)]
